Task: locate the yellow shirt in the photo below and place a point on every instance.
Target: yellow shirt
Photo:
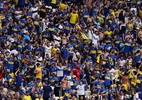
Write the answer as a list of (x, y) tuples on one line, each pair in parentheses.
[(113, 13), (140, 13), (27, 97), (39, 74), (39, 99), (63, 6), (73, 18), (100, 19), (1, 17), (54, 50), (130, 26), (53, 1), (109, 33), (40, 84), (16, 1), (134, 80), (140, 72)]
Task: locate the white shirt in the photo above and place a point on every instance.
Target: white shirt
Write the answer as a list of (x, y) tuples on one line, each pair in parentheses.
[(60, 71), (95, 39), (122, 62), (136, 96), (18, 16), (112, 71), (39, 58), (130, 60), (134, 9), (15, 52), (57, 40), (48, 50), (81, 89), (126, 19), (90, 34), (35, 13)]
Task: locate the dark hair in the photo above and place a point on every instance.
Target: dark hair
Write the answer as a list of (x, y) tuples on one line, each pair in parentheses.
[(37, 64)]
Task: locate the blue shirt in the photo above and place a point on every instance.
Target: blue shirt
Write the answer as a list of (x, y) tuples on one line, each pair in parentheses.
[(108, 47), (64, 53), (26, 38), (127, 46), (21, 2), (53, 69), (18, 80), (138, 58)]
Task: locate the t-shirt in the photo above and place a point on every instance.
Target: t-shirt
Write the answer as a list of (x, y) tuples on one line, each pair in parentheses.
[(109, 33), (39, 74), (27, 97), (73, 18), (63, 6), (81, 89), (77, 73), (39, 99), (47, 90), (53, 1)]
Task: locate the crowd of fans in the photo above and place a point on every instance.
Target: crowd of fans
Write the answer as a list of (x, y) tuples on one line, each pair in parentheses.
[(64, 48)]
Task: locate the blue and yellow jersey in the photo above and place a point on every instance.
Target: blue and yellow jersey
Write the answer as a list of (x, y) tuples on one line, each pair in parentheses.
[(9, 15), (15, 28), (93, 50), (117, 41), (139, 80), (100, 85), (65, 14), (43, 10), (20, 47), (52, 80), (95, 93), (10, 63), (127, 46), (108, 47), (70, 47), (10, 77), (32, 67), (100, 48), (39, 50), (108, 78), (34, 32), (135, 49), (67, 28), (1, 18), (67, 94), (22, 23), (29, 15), (108, 40), (36, 22), (137, 57), (98, 74), (85, 16), (51, 28), (110, 61)]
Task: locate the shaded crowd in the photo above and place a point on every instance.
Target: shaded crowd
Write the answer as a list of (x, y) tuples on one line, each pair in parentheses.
[(70, 50)]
